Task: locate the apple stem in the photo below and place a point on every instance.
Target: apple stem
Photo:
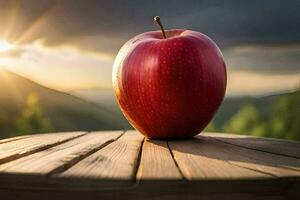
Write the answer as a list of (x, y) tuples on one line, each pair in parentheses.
[(157, 19)]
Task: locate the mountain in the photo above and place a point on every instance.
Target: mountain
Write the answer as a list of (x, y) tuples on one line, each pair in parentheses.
[(64, 111)]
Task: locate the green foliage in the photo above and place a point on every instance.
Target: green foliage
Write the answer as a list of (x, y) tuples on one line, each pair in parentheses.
[(281, 122), (32, 119), (246, 120), (210, 127), (4, 124), (285, 118)]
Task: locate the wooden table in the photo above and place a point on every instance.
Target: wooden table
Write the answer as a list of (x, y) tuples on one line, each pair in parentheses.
[(118, 165)]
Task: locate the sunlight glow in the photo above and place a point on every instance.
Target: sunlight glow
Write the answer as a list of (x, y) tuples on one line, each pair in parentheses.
[(6, 46)]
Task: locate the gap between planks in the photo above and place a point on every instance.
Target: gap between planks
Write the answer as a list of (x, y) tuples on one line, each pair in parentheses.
[(32, 145), (2, 141), (157, 163), (268, 145), (116, 162), (73, 162), (264, 162), (175, 161), (131, 158), (201, 160), (61, 157)]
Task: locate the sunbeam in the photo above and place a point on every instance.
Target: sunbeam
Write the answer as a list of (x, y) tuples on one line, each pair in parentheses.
[(37, 24), (12, 19)]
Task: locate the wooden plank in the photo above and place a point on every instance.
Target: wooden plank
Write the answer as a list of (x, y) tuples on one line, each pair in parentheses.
[(62, 156), (201, 159), (250, 137), (19, 148), (271, 145), (213, 134), (157, 162), (276, 165), (13, 139), (116, 161)]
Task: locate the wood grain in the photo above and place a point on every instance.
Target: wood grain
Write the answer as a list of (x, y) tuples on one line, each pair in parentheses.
[(271, 145), (117, 160), (19, 148), (275, 165), (201, 159), (13, 139), (61, 156), (157, 162)]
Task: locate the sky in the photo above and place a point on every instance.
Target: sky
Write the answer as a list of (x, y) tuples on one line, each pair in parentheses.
[(71, 44)]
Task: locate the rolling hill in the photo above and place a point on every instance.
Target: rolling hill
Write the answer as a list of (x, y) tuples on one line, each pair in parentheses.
[(64, 111)]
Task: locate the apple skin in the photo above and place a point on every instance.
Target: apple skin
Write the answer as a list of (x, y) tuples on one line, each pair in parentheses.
[(169, 88)]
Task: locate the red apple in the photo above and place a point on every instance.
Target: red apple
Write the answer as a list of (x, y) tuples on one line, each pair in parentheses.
[(169, 83)]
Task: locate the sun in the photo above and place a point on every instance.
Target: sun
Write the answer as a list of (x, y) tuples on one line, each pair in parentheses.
[(6, 46)]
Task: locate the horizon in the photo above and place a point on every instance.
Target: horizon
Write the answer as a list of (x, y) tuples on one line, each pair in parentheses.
[(99, 89)]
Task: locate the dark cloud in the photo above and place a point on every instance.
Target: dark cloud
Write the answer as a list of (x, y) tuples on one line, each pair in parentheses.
[(105, 25), (264, 58)]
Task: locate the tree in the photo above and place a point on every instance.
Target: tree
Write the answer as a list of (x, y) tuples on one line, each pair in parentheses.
[(32, 119), (246, 121), (285, 117)]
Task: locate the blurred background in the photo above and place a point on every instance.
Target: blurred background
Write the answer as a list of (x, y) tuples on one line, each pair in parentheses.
[(56, 59)]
